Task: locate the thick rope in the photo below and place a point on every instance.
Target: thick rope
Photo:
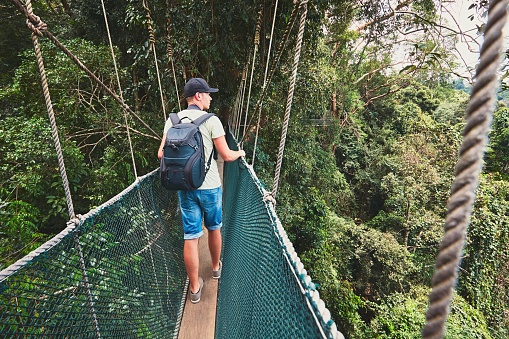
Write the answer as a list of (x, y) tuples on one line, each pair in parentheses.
[(169, 51), (259, 112), (36, 30), (119, 87), (275, 61), (255, 50), (459, 208), (298, 49), (36, 21), (152, 40)]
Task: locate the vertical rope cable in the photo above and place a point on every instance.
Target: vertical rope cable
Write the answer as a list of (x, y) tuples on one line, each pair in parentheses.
[(119, 89), (255, 50), (459, 208), (169, 52), (152, 40), (51, 113), (259, 110), (298, 48), (61, 165)]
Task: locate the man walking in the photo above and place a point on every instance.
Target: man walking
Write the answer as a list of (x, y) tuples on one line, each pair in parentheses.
[(203, 205)]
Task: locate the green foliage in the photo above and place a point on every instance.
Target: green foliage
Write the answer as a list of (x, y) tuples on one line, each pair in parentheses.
[(18, 230), (497, 157), (403, 316), (483, 278)]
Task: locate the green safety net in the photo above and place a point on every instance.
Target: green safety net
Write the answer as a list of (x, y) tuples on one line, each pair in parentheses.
[(118, 273), (264, 291)]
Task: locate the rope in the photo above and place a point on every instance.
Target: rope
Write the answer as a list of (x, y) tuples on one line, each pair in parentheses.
[(255, 50), (264, 82), (119, 87), (298, 48), (169, 51), (479, 115), (152, 40), (276, 59), (37, 30), (36, 21)]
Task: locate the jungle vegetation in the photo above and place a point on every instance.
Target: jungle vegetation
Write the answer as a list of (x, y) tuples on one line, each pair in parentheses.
[(362, 194)]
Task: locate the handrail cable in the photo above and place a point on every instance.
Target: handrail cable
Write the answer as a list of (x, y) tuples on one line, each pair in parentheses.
[(264, 82), (479, 115), (119, 88), (298, 48), (37, 31), (42, 27)]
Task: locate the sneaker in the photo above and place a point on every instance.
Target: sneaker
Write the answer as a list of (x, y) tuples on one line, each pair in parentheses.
[(195, 297), (217, 274)]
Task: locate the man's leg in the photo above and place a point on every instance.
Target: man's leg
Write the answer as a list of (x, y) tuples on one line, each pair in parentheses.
[(192, 263), (215, 243)]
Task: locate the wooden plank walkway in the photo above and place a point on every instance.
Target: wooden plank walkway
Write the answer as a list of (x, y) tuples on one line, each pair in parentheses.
[(199, 320)]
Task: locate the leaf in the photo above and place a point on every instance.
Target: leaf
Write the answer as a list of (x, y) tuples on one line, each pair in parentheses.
[(408, 69)]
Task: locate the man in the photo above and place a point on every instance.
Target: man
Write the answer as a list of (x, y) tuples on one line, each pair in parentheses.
[(205, 202)]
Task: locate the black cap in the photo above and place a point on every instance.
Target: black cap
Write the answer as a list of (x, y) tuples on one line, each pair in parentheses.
[(197, 85)]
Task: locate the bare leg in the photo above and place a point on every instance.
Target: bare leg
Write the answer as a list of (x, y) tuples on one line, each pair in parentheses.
[(215, 243), (192, 262)]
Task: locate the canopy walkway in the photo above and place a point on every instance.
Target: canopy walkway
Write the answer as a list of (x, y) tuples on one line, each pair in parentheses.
[(118, 272)]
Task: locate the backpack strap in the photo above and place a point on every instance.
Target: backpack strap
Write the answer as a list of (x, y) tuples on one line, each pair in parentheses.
[(175, 120), (202, 118)]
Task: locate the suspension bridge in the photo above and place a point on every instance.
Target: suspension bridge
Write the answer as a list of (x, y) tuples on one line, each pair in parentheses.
[(118, 270)]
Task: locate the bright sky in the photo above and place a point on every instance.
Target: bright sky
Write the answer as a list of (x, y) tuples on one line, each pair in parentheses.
[(468, 49)]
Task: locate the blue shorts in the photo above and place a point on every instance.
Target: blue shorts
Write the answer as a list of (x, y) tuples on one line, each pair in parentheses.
[(201, 204)]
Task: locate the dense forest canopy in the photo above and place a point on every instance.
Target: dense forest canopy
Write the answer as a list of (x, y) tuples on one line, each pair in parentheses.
[(362, 193)]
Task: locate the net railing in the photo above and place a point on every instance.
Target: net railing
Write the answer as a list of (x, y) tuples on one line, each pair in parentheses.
[(116, 272), (264, 291)]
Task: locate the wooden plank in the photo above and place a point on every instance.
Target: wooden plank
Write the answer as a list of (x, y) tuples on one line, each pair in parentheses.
[(199, 320)]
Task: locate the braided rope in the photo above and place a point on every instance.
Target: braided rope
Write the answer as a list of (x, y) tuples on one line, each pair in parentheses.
[(259, 111), (35, 21), (37, 29), (255, 50), (152, 40), (468, 168), (119, 87), (169, 51), (275, 61), (298, 48)]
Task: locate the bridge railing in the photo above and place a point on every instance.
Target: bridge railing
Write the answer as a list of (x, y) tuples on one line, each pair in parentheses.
[(264, 291), (117, 272)]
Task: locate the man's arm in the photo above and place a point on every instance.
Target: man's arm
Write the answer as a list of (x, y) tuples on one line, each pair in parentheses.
[(160, 151), (225, 152)]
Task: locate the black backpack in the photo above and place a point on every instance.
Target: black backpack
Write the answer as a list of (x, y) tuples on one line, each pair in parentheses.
[(183, 163)]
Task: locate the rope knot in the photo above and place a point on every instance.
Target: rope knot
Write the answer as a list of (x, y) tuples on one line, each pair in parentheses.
[(269, 197), (36, 25)]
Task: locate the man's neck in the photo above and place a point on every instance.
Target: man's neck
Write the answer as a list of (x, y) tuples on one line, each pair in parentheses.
[(193, 105)]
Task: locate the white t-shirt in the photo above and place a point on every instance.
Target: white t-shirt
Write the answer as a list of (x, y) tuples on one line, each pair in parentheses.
[(210, 129)]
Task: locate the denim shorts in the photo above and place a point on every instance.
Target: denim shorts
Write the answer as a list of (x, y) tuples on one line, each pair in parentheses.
[(198, 205)]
